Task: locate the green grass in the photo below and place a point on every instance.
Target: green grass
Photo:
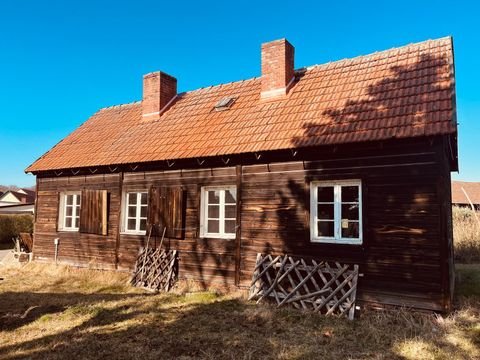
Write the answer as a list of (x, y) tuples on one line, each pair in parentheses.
[(468, 280)]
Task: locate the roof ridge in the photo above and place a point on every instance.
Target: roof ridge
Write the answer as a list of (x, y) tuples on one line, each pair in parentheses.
[(222, 84), (412, 44), (135, 102), (299, 70)]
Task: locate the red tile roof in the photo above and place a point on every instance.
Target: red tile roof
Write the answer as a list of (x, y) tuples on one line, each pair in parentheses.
[(472, 189), (403, 92)]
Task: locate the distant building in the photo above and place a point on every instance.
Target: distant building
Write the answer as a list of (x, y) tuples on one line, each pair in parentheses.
[(17, 201), (462, 191)]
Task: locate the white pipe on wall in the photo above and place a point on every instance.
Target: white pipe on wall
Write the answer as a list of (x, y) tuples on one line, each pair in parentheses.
[(56, 241)]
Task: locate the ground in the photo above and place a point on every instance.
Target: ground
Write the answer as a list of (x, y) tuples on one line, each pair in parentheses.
[(49, 312), (4, 252)]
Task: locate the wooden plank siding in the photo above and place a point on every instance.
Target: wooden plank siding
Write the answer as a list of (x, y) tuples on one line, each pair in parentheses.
[(97, 251), (404, 256)]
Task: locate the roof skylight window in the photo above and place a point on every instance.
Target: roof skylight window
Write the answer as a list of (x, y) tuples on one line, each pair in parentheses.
[(224, 103)]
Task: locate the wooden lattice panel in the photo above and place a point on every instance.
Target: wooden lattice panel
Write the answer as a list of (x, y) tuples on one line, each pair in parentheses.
[(155, 269), (328, 288)]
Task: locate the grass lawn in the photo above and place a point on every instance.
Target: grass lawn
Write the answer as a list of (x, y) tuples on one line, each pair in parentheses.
[(62, 313)]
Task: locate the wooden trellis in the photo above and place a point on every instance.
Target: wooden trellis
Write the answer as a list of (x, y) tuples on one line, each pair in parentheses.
[(155, 269), (306, 284)]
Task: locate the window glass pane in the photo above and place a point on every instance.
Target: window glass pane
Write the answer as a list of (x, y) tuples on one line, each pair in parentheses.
[(144, 198), (350, 211), (143, 211), (131, 224), (132, 198), (350, 229), (349, 193), (68, 211), (69, 199), (213, 211), (213, 196), (230, 196), (213, 226), (325, 211), (230, 226), (325, 194), (230, 211), (77, 199), (325, 228), (77, 222), (78, 209), (68, 222), (143, 224), (132, 211)]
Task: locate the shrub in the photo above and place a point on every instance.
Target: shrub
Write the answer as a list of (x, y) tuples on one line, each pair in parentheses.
[(12, 225), (466, 235)]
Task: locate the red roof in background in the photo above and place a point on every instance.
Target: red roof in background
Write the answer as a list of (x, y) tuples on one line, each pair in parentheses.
[(403, 92), (472, 189)]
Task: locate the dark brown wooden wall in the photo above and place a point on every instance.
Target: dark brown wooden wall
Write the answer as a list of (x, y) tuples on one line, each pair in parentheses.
[(211, 261), (97, 251), (403, 257)]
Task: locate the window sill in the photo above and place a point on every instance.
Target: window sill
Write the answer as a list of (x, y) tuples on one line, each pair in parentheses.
[(68, 230), (213, 236), (139, 233), (336, 241)]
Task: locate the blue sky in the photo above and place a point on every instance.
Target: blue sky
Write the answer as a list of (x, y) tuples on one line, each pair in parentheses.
[(60, 61)]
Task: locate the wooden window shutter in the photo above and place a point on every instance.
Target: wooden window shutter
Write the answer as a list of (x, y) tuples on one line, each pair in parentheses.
[(94, 212), (166, 209), (176, 218), (156, 205)]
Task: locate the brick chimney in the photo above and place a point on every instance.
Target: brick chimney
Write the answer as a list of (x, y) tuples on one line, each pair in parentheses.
[(159, 89), (277, 68)]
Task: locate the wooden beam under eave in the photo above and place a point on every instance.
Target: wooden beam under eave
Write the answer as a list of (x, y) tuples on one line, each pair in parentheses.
[(117, 239), (238, 232)]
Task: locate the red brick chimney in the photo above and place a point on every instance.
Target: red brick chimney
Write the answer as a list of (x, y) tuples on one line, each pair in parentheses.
[(159, 89), (277, 68)]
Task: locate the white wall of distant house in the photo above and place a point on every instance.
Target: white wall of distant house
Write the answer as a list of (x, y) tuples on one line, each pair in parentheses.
[(9, 198)]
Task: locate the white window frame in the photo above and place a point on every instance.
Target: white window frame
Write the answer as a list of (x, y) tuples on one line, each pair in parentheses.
[(138, 216), (337, 238), (62, 219), (204, 211)]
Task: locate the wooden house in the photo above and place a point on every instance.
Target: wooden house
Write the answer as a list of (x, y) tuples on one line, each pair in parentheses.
[(347, 161)]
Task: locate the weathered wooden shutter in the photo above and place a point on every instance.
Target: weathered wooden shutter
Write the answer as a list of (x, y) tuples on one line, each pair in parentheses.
[(166, 209), (93, 212), (156, 205), (175, 206)]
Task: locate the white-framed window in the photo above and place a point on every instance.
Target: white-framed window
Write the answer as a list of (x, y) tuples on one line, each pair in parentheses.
[(218, 216), (336, 212), (69, 211), (135, 212)]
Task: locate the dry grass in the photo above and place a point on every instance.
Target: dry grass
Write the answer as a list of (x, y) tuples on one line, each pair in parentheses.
[(57, 313), (466, 235)]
